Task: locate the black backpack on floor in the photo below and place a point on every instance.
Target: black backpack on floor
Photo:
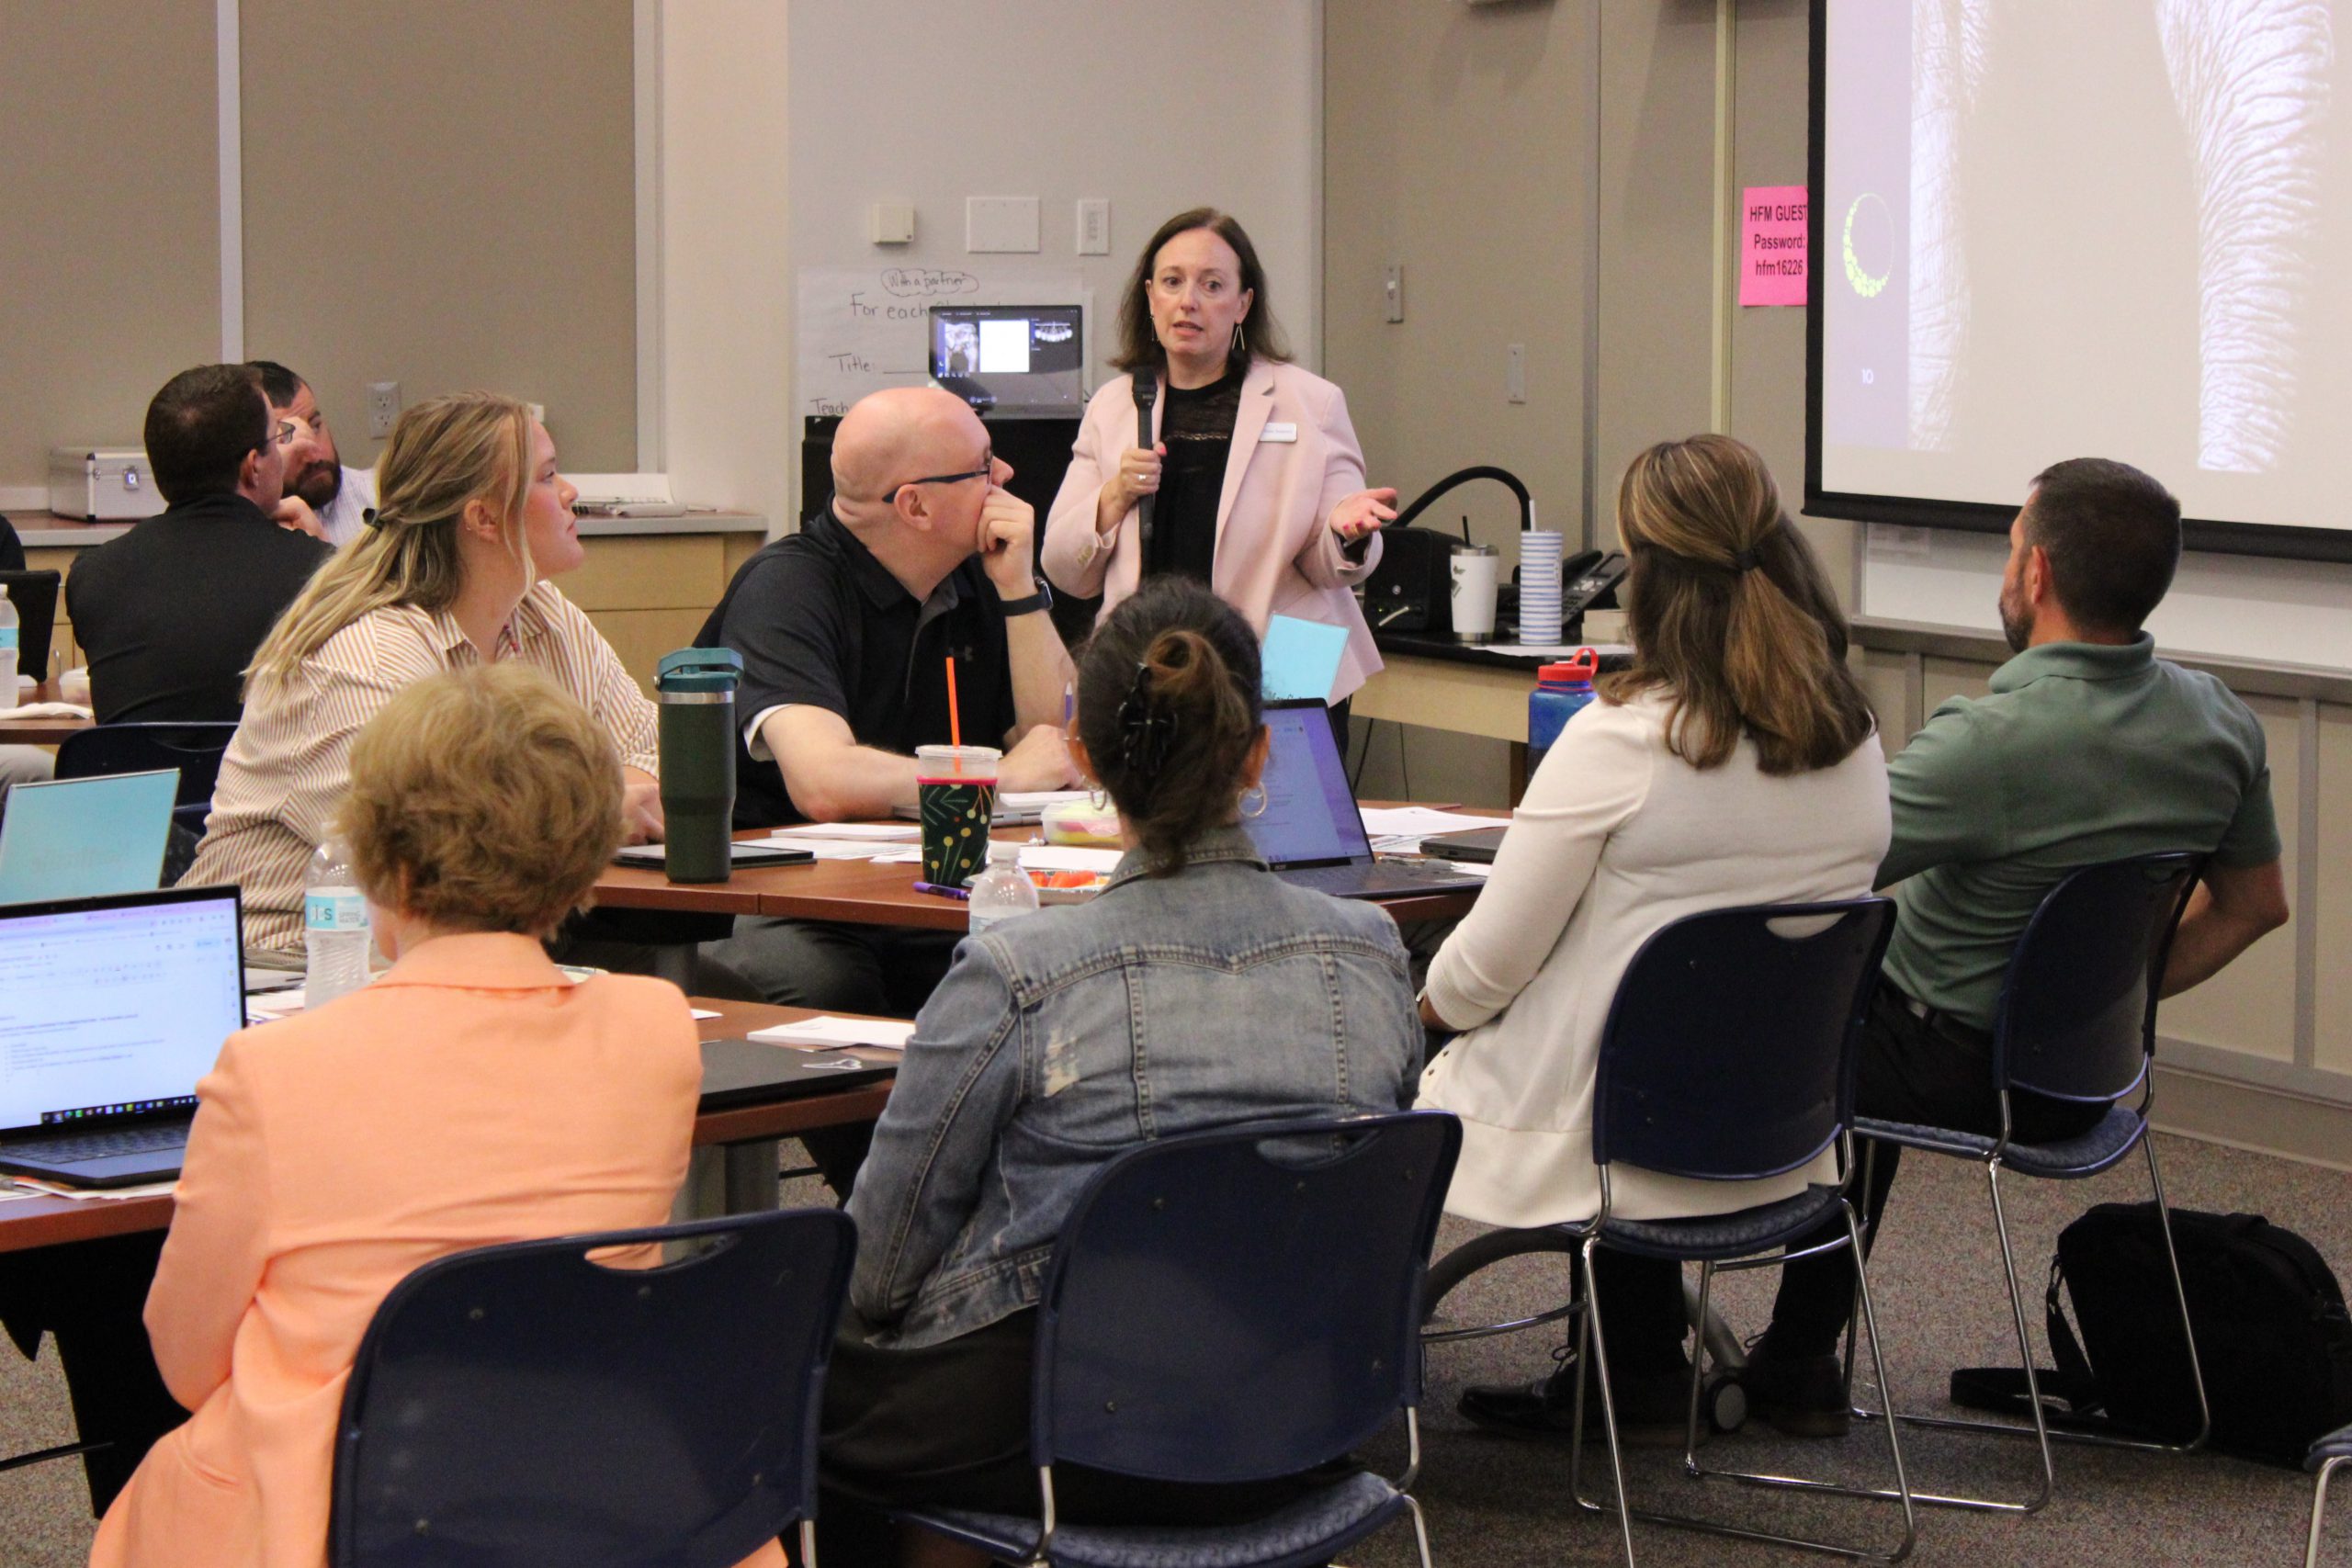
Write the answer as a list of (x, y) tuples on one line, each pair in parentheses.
[(2272, 1336)]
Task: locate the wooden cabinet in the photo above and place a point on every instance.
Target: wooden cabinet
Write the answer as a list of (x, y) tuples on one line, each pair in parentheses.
[(648, 591)]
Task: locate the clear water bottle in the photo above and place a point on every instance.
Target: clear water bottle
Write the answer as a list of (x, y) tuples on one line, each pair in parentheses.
[(1561, 691), (8, 650), (334, 929), (999, 893)]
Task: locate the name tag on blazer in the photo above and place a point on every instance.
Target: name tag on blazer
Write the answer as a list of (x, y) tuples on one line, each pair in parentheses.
[(1279, 433)]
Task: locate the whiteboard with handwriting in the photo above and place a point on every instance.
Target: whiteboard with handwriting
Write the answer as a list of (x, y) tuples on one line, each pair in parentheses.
[(862, 329)]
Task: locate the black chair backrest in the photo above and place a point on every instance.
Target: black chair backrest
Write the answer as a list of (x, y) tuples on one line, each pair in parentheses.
[(1242, 1304), (1728, 1051), (194, 748), (2077, 1017), (34, 594), (523, 1404)]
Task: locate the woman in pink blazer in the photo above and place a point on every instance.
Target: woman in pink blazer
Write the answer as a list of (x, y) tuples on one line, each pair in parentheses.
[(472, 1095), (1257, 477)]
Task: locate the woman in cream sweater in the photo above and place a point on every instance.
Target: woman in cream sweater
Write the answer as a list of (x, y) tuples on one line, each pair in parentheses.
[(1733, 764)]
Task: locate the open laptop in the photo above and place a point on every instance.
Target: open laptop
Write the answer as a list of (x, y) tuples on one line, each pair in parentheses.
[(111, 1011), (87, 837), (1311, 832), (742, 1072)]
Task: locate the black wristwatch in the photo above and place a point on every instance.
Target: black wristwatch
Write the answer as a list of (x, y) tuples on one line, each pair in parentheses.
[(1041, 600)]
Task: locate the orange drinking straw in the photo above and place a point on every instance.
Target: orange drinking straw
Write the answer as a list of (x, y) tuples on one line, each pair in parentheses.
[(955, 720)]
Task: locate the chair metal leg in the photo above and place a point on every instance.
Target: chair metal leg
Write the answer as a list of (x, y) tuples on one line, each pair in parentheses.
[(2040, 1430), (2044, 1434), (1595, 1342), (1626, 1511), (2319, 1510), (2180, 1295), (1421, 1529)]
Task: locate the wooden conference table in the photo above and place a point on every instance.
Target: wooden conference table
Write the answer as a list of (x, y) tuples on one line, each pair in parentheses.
[(28, 1223), (857, 892)]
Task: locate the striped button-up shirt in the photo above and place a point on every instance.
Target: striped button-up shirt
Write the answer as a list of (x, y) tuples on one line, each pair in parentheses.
[(291, 761)]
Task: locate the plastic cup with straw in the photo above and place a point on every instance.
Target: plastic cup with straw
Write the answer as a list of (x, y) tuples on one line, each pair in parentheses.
[(956, 790)]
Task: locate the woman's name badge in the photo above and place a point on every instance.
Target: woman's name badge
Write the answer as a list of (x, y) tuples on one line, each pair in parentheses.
[(1279, 433)]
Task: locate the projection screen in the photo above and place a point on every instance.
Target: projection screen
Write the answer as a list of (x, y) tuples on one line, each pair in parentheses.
[(2047, 228)]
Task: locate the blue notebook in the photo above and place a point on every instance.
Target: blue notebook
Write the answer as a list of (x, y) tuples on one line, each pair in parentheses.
[(85, 837)]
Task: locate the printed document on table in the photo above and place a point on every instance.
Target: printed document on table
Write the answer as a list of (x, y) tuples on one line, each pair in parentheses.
[(1421, 821), (827, 1033)]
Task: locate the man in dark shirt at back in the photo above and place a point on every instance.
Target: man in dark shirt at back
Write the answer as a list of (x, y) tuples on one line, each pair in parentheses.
[(170, 613)]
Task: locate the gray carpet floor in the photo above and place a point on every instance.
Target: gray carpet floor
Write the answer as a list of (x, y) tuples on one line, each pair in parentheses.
[(1496, 1503)]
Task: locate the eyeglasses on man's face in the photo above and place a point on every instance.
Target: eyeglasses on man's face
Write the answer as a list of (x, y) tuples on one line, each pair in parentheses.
[(281, 434), (987, 468)]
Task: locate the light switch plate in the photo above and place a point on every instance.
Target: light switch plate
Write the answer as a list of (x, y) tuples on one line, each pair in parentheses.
[(1093, 225), (999, 223), (1392, 290), (1515, 374)]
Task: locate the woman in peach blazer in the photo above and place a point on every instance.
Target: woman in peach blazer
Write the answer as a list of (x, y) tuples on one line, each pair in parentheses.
[(1285, 526), (472, 1096)]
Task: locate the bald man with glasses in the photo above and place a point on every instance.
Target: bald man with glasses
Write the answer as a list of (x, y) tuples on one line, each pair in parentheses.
[(919, 557)]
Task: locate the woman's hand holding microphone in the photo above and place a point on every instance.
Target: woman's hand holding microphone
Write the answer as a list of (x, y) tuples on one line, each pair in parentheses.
[(1137, 476)]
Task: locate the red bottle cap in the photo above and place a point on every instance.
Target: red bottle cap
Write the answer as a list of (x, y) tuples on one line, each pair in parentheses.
[(1582, 666)]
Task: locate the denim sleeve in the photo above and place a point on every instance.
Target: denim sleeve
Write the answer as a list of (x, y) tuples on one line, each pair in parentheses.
[(956, 1091)]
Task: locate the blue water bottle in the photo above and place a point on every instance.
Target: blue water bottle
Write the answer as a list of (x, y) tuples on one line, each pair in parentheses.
[(1560, 690)]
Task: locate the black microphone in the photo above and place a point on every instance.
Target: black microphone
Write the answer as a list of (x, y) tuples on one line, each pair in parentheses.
[(1146, 385)]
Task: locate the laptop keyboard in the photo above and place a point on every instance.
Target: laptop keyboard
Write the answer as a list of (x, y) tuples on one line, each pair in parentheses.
[(1384, 876), (79, 1148)]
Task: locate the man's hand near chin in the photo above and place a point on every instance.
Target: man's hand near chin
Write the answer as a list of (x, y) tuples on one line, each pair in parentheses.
[(1008, 543), (294, 515)]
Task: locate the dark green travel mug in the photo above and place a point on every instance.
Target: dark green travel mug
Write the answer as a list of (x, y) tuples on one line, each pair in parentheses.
[(695, 688)]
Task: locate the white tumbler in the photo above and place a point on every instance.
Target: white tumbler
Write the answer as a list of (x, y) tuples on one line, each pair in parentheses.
[(1475, 574)]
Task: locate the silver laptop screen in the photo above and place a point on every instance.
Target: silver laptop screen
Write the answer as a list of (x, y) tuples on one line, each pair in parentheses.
[(114, 1008), (1311, 817)]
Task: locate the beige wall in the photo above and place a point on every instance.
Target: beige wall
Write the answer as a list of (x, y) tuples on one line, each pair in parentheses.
[(109, 261), (1472, 169), (441, 193), (438, 193)]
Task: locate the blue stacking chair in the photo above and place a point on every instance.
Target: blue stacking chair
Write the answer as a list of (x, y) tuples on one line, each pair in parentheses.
[(194, 748), (2329, 1455), (1727, 1056), (1230, 1306), (2077, 1022), (526, 1405)]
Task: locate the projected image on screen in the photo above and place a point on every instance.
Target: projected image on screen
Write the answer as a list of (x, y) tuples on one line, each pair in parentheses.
[(2102, 227)]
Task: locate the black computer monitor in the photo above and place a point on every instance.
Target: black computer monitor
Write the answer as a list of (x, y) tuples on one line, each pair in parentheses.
[(1011, 361)]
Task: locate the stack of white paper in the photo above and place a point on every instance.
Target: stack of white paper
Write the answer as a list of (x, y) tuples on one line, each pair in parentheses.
[(829, 1032)]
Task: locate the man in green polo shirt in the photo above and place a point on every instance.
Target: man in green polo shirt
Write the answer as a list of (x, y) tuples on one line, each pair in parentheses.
[(2089, 748)]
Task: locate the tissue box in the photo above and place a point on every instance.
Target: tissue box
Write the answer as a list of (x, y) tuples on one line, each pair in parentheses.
[(102, 484)]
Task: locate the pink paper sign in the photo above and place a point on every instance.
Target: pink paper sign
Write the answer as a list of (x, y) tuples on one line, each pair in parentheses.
[(1772, 245)]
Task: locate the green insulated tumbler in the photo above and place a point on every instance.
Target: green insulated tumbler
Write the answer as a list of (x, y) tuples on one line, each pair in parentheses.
[(697, 690)]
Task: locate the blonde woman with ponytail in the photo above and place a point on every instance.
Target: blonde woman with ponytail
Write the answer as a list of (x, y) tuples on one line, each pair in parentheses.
[(472, 516), (1734, 763)]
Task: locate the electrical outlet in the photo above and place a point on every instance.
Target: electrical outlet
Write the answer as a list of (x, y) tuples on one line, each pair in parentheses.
[(383, 407), (1515, 374)]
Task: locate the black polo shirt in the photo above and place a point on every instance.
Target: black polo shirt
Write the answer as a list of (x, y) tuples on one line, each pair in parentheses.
[(172, 612), (819, 621)]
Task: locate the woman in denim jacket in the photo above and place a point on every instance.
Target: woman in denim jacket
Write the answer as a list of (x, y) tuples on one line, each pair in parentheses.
[(1196, 990)]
